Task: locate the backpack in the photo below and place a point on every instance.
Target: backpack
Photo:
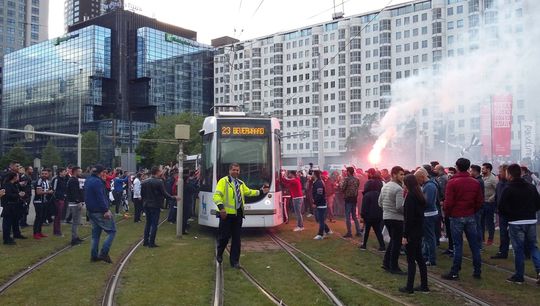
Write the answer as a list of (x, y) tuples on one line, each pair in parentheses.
[(350, 187)]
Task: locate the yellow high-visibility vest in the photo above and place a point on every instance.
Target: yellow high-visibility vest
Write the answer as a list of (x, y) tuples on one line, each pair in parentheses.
[(226, 194)]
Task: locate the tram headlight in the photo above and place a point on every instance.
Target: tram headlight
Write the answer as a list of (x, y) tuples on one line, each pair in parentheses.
[(267, 202)]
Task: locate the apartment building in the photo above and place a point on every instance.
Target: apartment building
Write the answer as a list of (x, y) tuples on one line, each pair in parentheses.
[(325, 80)]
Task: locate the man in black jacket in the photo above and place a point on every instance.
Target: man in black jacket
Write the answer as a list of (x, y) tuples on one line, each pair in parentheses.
[(519, 203), (153, 194), (75, 199)]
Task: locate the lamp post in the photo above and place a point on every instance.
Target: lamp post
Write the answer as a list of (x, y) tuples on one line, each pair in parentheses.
[(181, 133)]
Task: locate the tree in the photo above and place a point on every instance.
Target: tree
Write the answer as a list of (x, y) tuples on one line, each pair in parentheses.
[(16, 153), (90, 153), (362, 139), (155, 153), (50, 156)]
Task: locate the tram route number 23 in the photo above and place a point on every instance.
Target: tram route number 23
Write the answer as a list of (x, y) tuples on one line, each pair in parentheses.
[(242, 131)]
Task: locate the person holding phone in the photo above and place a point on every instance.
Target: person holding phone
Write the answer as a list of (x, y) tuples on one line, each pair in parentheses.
[(229, 198)]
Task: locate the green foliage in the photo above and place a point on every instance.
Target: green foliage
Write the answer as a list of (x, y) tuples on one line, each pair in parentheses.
[(155, 153), (16, 153), (50, 156), (362, 139), (90, 153)]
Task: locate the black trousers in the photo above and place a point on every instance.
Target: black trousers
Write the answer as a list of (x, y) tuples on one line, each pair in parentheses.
[(414, 257), (40, 216), (377, 228), (137, 202), (231, 227), (10, 224), (117, 201), (395, 230)]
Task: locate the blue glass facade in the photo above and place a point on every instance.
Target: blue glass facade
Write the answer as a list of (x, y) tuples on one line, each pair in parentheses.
[(45, 84), (179, 69), (123, 74)]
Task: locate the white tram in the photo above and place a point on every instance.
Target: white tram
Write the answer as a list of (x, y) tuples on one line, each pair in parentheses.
[(254, 143)]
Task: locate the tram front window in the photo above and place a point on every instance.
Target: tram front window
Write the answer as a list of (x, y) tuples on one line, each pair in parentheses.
[(253, 156)]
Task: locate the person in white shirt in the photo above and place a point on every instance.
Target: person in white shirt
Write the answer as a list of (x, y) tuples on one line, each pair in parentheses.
[(137, 199)]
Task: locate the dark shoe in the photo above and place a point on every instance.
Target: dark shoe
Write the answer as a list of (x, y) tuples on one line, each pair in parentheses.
[(499, 256), (430, 264), (235, 266), (421, 289), (448, 252), (450, 276), (185, 233), (145, 243), (348, 235), (105, 258), (514, 279), (94, 259), (20, 237), (382, 249), (75, 242), (219, 258), (385, 268), (11, 242), (406, 290), (398, 272), (79, 240), (358, 234), (477, 276), (153, 245), (363, 248)]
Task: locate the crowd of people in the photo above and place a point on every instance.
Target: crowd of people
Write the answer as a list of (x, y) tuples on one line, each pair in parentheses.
[(417, 209), (59, 197), (410, 211)]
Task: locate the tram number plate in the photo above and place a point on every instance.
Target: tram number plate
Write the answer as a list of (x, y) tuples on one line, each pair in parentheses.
[(242, 131)]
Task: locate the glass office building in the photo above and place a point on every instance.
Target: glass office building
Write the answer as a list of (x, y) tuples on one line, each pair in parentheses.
[(179, 69), (123, 70), (45, 84)]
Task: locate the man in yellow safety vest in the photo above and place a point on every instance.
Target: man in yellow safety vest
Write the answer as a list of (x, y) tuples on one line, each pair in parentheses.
[(229, 198)]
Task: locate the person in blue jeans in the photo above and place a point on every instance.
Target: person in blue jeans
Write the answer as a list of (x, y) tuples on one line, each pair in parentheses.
[(463, 199), (319, 198), (99, 214), (519, 203)]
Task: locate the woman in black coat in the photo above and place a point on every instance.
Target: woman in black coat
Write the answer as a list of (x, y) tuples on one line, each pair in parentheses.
[(412, 234), (12, 208), (371, 212)]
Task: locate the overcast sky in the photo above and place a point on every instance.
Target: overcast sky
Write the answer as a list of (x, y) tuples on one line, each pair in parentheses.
[(237, 18)]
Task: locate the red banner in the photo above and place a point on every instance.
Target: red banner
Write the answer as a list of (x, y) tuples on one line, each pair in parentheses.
[(501, 124), (485, 132)]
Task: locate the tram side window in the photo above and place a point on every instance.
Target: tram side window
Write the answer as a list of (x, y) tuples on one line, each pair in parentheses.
[(207, 166)]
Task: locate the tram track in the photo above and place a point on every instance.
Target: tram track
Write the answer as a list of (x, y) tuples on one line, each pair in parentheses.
[(284, 244), (436, 279), (219, 282), (112, 283), (257, 284), (501, 269), (22, 274)]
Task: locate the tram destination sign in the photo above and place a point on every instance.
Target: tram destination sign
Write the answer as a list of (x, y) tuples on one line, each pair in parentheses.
[(232, 131)]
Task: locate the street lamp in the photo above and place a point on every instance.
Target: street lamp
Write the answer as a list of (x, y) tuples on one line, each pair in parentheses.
[(181, 133), (79, 138)]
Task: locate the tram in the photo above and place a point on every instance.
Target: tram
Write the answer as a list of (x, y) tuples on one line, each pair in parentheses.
[(253, 143)]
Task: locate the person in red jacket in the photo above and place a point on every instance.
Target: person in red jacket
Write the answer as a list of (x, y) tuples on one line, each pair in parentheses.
[(463, 198), (292, 182)]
